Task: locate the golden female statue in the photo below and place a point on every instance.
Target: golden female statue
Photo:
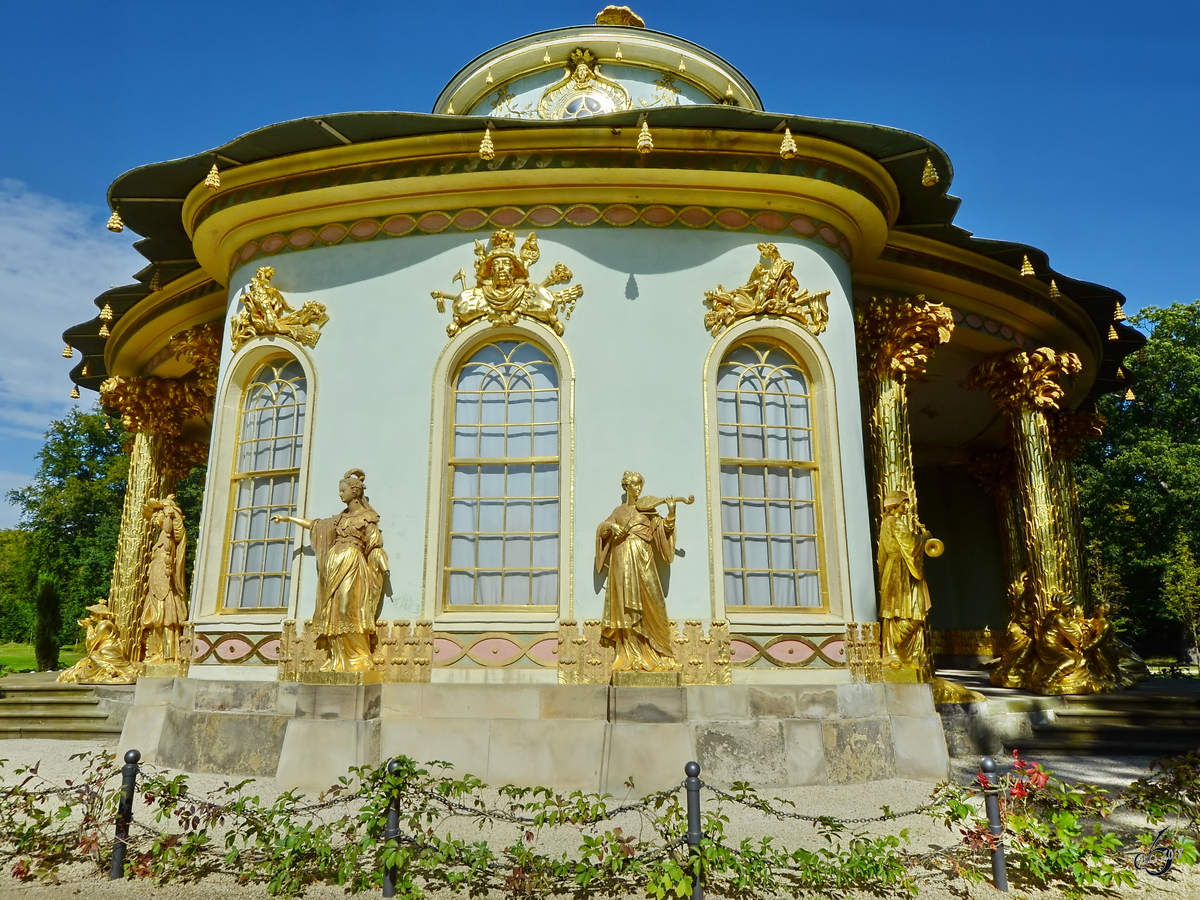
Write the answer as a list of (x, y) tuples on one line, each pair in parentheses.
[(351, 566), (105, 663), (635, 608), (164, 608), (903, 594)]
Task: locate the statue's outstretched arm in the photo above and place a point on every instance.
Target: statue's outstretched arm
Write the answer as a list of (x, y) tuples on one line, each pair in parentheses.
[(303, 523)]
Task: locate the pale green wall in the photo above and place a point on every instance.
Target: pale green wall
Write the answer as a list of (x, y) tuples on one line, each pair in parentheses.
[(638, 343)]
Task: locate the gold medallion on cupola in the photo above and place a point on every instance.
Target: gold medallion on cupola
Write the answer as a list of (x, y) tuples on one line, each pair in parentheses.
[(583, 91)]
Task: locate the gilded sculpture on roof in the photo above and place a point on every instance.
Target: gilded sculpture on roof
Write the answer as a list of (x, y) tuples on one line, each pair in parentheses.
[(265, 311), (772, 290), (582, 91), (503, 292)]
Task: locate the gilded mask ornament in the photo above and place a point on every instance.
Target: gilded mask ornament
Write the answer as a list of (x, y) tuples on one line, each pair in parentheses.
[(771, 291), (582, 91), (503, 292), (265, 311)]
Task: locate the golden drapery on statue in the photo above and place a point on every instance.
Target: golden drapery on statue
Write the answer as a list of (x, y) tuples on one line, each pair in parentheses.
[(351, 567), (903, 593), (635, 608), (164, 608), (106, 662)]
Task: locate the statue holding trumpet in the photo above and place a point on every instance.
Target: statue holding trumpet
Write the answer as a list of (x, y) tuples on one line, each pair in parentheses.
[(903, 593), (635, 610)]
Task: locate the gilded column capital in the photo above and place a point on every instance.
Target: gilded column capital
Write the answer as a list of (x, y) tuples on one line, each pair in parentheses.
[(1071, 431), (896, 336), (1021, 380), (154, 405), (201, 347)]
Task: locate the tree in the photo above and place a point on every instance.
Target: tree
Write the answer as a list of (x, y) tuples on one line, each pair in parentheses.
[(1140, 483), (71, 513), (1181, 587), (49, 619)]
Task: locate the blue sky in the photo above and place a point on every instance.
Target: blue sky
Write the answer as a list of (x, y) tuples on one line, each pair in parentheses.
[(1072, 126)]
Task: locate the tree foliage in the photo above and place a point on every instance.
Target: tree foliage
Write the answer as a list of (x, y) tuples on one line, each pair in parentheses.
[(1140, 483), (49, 620)]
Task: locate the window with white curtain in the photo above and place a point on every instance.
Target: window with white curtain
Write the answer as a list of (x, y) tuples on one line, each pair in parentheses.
[(503, 477), (266, 476), (769, 517)]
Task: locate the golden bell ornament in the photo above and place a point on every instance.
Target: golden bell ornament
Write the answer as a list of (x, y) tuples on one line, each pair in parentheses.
[(68, 352), (115, 224), (929, 177), (788, 148), (104, 332), (156, 280), (106, 314), (1026, 267), (645, 143), (487, 150), (1055, 293), (213, 181), (85, 372), (75, 392)]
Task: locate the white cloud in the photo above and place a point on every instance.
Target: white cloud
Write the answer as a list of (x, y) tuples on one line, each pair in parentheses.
[(55, 257)]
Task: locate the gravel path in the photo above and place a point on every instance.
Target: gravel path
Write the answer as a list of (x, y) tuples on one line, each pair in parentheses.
[(846, 802)]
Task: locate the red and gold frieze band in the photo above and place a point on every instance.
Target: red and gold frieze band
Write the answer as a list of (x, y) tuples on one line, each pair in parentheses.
[(1052, 645), (586, 657), (896, 338)]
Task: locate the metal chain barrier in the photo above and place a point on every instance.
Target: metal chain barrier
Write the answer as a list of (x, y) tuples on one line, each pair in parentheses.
[(762, 806)]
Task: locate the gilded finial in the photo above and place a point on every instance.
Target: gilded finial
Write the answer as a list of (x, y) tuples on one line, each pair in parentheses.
[(1130, 396), (487, 150), (729, 92), (489, 79), (546, 58), (68, 352), (1112, 333), (1119, 314), (618, 55), (620, 15), (449, 109), (107, 425), (788, 148), (156, 280), (930, 176), (1055, 293), (1026, 266), (645, 142), (104, 332), (75, 392), (115, 224), (106, 314), (682, 65), (85, 371), (213, 181)]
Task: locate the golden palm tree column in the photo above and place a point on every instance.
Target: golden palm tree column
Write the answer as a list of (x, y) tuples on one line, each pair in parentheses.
[(1070, 432), (896, 337), (154, 411)]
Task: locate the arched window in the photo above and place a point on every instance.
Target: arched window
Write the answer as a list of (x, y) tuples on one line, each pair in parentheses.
[(769, 516), (503, 479), (266, 475)]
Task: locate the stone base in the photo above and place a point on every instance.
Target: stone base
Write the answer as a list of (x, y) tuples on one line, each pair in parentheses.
[(566, 737), (630, 678), (341, 677)]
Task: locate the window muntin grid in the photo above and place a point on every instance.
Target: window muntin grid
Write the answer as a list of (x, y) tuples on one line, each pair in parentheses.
[(503, 530), (769, 517), (267, 457)]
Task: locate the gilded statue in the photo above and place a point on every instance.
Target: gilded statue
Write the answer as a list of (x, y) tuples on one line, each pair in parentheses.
[(635, 608), (503, 291), (903, 593), (772, 291), (105, 662), (164, 605), (1070, 649), (351, 567), (265, 311), (582, 91)]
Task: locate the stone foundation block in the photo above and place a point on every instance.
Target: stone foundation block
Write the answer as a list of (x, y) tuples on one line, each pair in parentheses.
[(463, 742), (653, 755), (338, 701), (860, 701), (566, 754), (316, 752), (574, 701), (919, 748), (481, 701), (858, 750), (741, 751), (719, 703), (805, 752), (647, 705), (909, 699), (221, 744)]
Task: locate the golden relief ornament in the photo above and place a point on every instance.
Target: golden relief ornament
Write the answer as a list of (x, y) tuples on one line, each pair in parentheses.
[(582, 91), (503, 292), (771, 291), (897, 336), (106, 662), (265, 312), (164, 604), (1022, 379), (635, 620)]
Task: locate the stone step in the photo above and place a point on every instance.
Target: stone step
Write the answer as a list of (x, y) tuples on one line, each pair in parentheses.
[(1143, 718), (88, 697), (34, 713), (66, 732), (39, 707), (1099, 746)]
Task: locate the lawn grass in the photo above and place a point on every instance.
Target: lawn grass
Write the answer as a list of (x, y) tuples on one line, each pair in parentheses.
[(20, 657)]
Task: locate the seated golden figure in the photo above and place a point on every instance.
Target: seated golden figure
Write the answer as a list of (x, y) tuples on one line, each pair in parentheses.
[(105, 662), (351, 566), (635, 609)]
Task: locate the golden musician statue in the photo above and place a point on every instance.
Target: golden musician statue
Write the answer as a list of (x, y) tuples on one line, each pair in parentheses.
[(635, 610), (903, 593), (351, 567)]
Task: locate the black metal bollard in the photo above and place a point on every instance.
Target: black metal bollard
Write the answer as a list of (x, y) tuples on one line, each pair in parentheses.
[(129, 774), (391, 832), (991, 802), (692, 785)]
